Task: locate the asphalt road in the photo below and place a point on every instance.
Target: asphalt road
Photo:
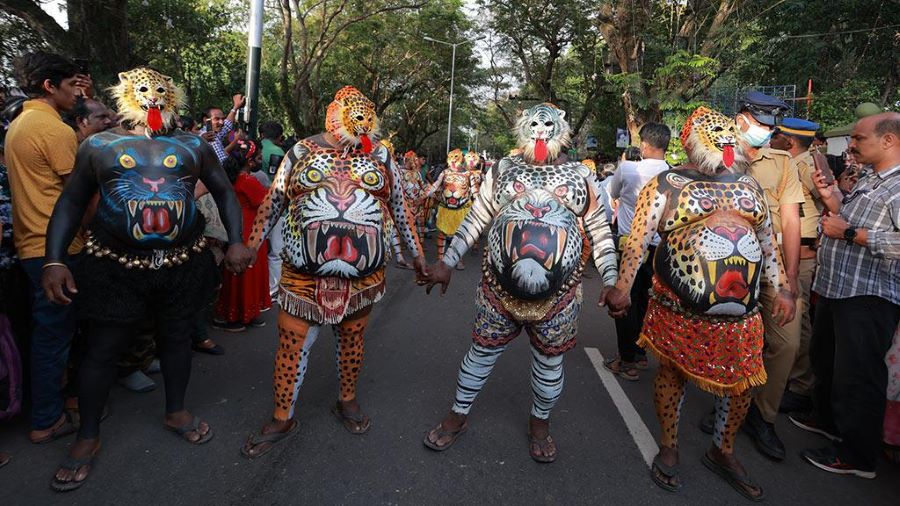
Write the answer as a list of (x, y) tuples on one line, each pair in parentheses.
[(413, 348)]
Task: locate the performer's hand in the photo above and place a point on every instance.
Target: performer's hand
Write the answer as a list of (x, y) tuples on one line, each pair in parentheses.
[(57, 280), (422, 274), (440, 274), (618, 301), (239, 257), (784, 309)]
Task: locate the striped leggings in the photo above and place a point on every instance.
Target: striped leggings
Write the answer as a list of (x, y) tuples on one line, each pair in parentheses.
[(546, 378)]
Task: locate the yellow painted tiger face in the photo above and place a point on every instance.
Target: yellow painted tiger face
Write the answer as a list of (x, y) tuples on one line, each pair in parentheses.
[(351, 118), (710, 140), (146, 97)]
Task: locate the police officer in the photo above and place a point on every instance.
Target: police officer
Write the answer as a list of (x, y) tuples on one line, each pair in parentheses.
[(795, 136), (757, 118)]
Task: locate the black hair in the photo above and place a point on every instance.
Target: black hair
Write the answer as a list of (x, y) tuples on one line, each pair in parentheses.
[(208, 109), (187, 123), (271, 130), (804, 142), (35, 68), (232, 168), (633, 153), (821, 137), (888, 125), (656, 135)]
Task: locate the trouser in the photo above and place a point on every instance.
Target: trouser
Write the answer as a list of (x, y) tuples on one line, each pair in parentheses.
[(850, 339), (276, 245), (106, 343), (801, 378), (53, 329), (669, 397), (296, 337), (628, 328), (781, 346), (546, 378)]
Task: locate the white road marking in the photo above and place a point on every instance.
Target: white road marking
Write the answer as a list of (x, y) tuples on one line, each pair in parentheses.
[(636, 426)]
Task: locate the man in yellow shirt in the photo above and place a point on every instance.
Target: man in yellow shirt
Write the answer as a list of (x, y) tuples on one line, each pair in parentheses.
[(772, 168), (796, 136), (40, 154)]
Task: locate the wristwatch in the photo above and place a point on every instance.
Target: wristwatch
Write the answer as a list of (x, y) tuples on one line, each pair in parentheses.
[(850, 234)]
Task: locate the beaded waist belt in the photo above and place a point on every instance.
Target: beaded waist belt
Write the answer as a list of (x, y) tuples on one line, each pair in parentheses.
[(153, 260)]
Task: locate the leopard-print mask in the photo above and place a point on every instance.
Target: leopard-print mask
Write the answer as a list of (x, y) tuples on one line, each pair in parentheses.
[(146, 97), (351, 118)]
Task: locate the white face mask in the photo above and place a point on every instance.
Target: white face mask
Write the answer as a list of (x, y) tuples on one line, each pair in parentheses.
[(755, 135)]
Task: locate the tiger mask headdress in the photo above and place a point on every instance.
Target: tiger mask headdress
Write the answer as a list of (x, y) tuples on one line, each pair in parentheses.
[(455, 160), (710, 141), (351, 118), (147, 97), (472, 160), (542, 132)]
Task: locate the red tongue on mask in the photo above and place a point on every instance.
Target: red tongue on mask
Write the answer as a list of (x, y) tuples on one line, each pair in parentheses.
[(540, 150), (366, 143), (154, 119), (728, 156)]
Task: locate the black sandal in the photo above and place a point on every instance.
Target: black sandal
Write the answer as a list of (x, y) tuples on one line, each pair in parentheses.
[(193, 426), (542, 445), (441, 433), (622, 369), (737, 481), (668, 472), (72, 464), (255, 440), (356, 423)]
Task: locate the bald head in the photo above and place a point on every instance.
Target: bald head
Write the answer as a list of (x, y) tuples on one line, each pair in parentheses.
[(876, 140)]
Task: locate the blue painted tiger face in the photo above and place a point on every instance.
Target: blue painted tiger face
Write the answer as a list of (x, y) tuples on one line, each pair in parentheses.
[(148, 193)]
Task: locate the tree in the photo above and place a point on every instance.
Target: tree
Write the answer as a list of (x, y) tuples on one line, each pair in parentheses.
[(97, 31)]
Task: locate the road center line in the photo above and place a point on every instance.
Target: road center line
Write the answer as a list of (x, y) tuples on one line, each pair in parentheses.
[(636, 426)]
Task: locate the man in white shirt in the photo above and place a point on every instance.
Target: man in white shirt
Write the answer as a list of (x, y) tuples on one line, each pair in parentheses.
[(625, 185)]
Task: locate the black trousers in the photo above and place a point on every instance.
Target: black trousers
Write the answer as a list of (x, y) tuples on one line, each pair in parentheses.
[(628, 328), (849, 342)]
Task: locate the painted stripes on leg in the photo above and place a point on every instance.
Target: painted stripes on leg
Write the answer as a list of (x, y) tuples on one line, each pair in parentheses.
[(474, 371), (547, 380)]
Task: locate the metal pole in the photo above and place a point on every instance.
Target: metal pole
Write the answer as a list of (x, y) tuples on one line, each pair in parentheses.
[(254, 43), (450, 113)]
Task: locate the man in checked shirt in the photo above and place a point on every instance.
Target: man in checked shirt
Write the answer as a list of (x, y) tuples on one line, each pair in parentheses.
[(858, 282), (217, 126)]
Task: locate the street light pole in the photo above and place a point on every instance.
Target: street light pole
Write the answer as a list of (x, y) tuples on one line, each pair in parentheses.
[(452, 77), (254, 45)]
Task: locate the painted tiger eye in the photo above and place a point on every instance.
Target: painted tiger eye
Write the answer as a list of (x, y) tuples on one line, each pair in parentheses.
[(370, 178), (314, 175), (170, 161), (127, 161)]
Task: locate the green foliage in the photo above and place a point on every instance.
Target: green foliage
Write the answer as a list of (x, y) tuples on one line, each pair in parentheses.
[(835, 107)]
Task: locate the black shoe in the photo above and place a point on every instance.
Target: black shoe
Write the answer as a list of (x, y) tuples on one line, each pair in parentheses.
[(826, 459), (256, 322), (763, 434), (228, 326), (808, 422), (708, 423), (792, 402)]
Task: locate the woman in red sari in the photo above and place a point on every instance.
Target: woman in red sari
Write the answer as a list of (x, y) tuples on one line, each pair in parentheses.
[(243, 297)]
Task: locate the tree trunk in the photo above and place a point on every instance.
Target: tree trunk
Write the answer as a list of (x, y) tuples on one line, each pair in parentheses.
[(99, 32)]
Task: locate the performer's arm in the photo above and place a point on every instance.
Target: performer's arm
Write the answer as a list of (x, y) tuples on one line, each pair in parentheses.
[(437, 184), (403, 219), (772, 265), (480, 215), (647, 215), (275, 203), (71, 205), (212, 175), (603, 249)]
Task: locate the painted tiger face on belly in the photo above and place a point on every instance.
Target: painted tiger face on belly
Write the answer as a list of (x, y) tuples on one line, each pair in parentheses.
[(534, 245), (339, 215)]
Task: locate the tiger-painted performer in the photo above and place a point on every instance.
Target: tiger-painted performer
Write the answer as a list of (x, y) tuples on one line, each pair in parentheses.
[(414, 190), (339, 198), (703, 320), (146, 257), (545, 224), (454, 199)]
